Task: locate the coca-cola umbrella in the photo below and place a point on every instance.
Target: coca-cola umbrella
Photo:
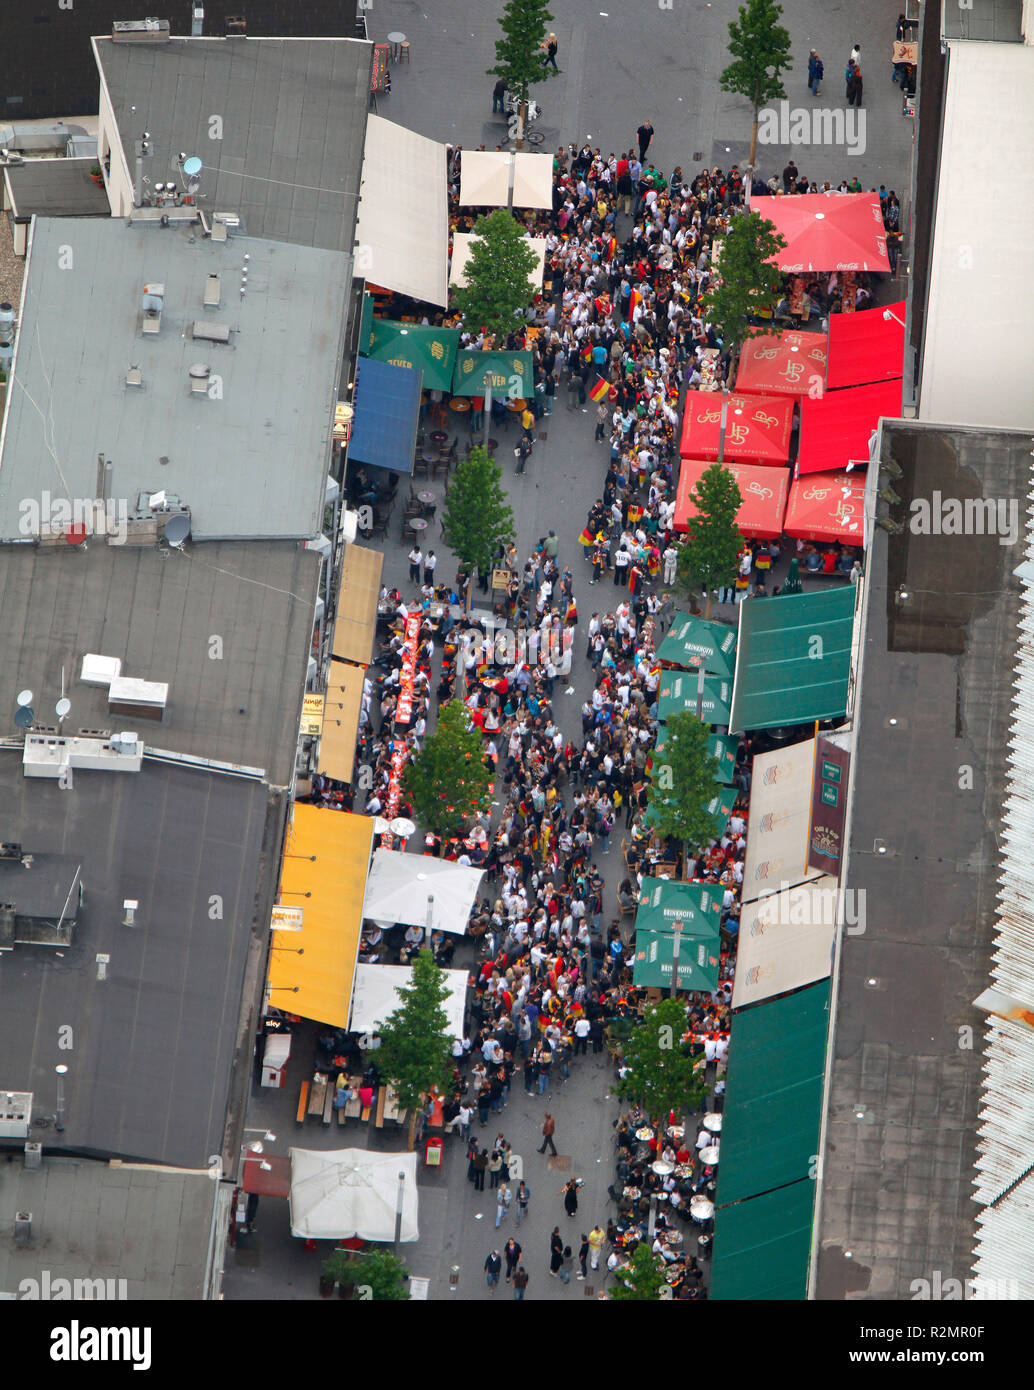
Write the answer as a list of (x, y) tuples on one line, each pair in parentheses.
[(829, 231), (757, 428)]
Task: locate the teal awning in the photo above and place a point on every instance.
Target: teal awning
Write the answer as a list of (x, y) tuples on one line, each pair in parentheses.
[(695, 908), (679, 691), (691, 640), (655, 957), (773, 1094), (794, 659), (432, 350), (722, 747), (762, 1247), (508, 373)]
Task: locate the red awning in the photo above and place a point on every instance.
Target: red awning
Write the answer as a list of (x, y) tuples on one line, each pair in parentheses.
[(827, 507), (866, 347), (274, 1183), (828, 231), (764, 492), (757, 428), (836, 429), (783, 364)]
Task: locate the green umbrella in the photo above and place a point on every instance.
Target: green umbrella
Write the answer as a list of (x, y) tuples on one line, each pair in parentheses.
[(689, 639), (678, 693), (695, 908), (508, 373), (430, 350), (792, 584), (655, 955)]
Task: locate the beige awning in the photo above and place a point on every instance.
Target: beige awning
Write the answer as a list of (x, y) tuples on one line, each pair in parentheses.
[(356, 619), (461, 254), (341, 720), (402, 234), (485, 178)]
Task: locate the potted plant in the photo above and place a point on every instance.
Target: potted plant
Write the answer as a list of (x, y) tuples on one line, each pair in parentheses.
[(96, 174), (339, 1269)]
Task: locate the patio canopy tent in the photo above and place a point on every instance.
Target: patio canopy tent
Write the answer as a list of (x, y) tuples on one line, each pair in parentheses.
[(757, 428), (836, 429), (461, 251), (340, 1193), (691, 640), (485, 179), (400, 885), (507, 373), (694, 908), (785, 941), (829, 231), (764, 492), (680, 691), (387, 414), (780, 821), (827, 507), (376, 996), (866, 346), (654, 962), (431, 351), (782, 364)]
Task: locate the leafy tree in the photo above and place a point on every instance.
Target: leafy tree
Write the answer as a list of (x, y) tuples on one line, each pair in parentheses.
[(644, 1274), (498, 275), (708, 557), (760, 48), (518, 56), (661, 1077), (477, 518), (416, 1050), (450, 782), (747, 282), (683, 782), (378, 1271)]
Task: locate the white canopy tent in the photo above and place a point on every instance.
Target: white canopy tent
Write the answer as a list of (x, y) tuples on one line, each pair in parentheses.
[(785, 941), (402, 235), (399, 885), (780, 819), (461, 255), (485, 179), (340, 1193), (375, 996)]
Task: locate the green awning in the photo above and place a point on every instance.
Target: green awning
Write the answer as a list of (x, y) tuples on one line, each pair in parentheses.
[(695, 908), (678, 693), (689, 639), (773, 1095), (720, 806), (432, 350), (655, 955), (762, 1248), (794, 659), (723, 748), (365, 320), (508, 373)]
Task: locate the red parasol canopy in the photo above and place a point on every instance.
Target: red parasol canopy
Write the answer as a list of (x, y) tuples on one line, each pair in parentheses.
[(764, 492), (827, 507), (783, 364), (865, 346), (757, 428), (836, 430), (829, 231)]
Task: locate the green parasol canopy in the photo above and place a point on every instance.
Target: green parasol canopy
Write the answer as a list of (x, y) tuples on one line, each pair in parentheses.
[(431, 350), (508, 374)]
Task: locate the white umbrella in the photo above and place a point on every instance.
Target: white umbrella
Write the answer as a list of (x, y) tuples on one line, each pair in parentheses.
[(399, 886), (340, 1193)]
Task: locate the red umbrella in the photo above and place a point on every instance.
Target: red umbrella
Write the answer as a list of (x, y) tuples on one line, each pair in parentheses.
[(783, 364), (827, 507), (828, 231), (763, 491), (757, 428)]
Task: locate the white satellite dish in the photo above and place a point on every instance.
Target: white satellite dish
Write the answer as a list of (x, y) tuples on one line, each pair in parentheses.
[(192, 167), (62, 708), (25, 698)]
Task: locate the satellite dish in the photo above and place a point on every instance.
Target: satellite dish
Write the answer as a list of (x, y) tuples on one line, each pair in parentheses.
[(62, 708), (24, 717), (192, 167), (177, 529), (25, 698)]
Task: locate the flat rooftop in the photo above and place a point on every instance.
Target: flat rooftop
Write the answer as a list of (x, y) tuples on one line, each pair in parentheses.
[(929, 781), (149, 1226), (55, 188), (227, 625), (293, 121), (250, 456)]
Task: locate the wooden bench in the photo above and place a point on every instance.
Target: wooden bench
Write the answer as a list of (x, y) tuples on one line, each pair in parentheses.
[(317, 1095), (303, 1100), (328, 1103), (368, 1109), (342, 1115), (382, 1097)]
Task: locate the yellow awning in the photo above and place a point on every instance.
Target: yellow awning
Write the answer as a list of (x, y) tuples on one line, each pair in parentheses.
[(356, 620), (332, 915), (341, 720)]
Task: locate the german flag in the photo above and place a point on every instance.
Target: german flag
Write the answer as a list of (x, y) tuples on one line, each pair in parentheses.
[(585, 538), (598, 389)]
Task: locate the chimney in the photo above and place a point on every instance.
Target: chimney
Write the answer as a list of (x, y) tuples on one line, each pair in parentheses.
[(102, 966), (33, 1157), (23, 1229), (197, 19), (199, 375)]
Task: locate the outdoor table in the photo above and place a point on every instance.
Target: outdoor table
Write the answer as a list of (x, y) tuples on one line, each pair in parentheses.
[(671, 1238), (683, 1170), (429, 459), (439, 436), (676, 1131), (459, 403), (661, 1168), (417, 523), (396, 40), (645, 1133), (633, 1192), (713, 1123), (425, 497), (516, 405)]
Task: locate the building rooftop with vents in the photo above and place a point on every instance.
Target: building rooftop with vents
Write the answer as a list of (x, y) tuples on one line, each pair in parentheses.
[(244, 443)]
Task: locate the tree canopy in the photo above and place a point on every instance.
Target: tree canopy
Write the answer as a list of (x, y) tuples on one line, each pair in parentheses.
[(449, 782), (747, 283), (518, 56), (498, 275), (708, 557), (760, 50), (416, 1050), (477, 518), (643, 1280), (661, 1077), (683, 782)]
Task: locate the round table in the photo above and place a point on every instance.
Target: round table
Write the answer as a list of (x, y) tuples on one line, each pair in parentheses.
[(417, 523), (645, 1133), (517, 405), (661, 1168), (396, 40), (459, 403), (676, 1131), (426, 497), (439, 436), (429, 459)]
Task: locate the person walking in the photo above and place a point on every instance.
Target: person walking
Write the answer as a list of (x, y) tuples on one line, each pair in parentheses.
[(570, 1191), (523, 1198), (512, 1254), (854, 87), (644, 135), (596, 1238), (498, 93), (430, 565), (671, 564), (520, 1283), (551, 48), (548, 1129), (493, 1265), (556, 1252), (815, 71), (502, 1203)]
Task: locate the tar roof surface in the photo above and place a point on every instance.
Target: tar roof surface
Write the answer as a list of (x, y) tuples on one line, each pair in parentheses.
[(148, 1226), (56, 188), (153, 1045), (293, 115), (251, 463), (939, 654), (227, 625)]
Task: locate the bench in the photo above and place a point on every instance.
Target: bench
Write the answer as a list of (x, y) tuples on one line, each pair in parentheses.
[(342, 1115), (317, 1095), (382, 1096), (303, 1100), (367, 1110), (328, 1104)]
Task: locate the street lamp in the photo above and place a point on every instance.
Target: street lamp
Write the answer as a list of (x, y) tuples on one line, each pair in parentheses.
[(59, 1118), (398, 1212), (888, 314)]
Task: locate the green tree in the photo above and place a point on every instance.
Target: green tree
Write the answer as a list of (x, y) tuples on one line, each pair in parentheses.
[(376, 1275), (708, 557), (661, 1077), (498, 275), (416, 1050), (645, 1276), (477, 517), (682, 782), (518, 54), (760, 49), (747, 282), (450, 781)]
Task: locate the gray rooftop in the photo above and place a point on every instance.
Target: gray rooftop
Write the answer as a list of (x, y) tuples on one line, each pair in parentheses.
[(293, 117), (148, 1226), (939, 654), (249, 464), (158, 613), (55, 188)]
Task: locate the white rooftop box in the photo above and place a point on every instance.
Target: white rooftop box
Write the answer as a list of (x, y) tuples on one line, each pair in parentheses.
[(127, 692), (100, 670)]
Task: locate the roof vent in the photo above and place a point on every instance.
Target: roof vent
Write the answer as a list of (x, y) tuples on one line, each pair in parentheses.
[(199, 374), (212, 292), (211, 332), (236, 26), (134, 377), (140, 31), (152, 303)]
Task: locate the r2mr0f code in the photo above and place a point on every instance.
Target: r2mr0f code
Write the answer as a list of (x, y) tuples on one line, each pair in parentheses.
[(935, 1332)]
